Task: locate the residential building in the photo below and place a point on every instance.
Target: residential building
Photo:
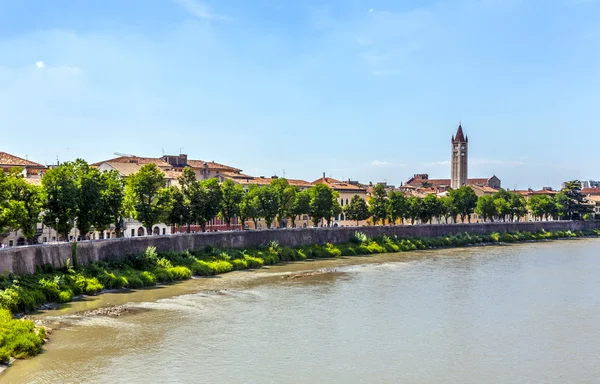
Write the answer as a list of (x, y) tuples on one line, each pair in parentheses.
[(346, 190)]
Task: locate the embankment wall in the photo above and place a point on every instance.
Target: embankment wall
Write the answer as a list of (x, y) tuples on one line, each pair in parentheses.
[(23, 260)]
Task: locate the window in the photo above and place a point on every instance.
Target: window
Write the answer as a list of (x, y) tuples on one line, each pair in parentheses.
[(342, 216), (45, 239), (132, 232), (342, 202), (346, 201), (305, 217), (462, 154), (11, 243), (164, 231)]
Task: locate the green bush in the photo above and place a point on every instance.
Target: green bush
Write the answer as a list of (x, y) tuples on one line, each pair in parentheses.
[(221, 266), (18, 338), (65, 296), (202, 268), (180, 273), (253, 262), (163, 275), (148, 278), (239, 264)]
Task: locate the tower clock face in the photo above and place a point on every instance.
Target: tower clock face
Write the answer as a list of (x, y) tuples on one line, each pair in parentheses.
[(463, 154)]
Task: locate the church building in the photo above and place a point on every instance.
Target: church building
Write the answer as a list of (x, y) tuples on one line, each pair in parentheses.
[(459, 169)]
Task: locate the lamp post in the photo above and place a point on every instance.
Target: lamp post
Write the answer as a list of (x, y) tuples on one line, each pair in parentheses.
[(75, 229), (56, 221)]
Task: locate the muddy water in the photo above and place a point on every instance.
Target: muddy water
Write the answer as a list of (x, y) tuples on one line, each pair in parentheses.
[(519, 314)]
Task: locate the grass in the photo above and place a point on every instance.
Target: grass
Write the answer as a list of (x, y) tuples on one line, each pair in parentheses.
[(26, 293)]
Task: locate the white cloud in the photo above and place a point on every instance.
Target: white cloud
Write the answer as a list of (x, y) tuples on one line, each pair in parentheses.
[(199, 9), (40, 64), (385, 164), (371, 10), (445, 162)]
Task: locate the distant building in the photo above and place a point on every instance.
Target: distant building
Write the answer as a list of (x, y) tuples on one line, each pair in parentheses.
[(347, 190), (459, 170)]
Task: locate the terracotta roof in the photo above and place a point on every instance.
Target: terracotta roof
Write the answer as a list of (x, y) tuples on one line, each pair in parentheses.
[(212, 165), (12, 160), (594, 198), (136, 160), (339, 185), (124, 169), (267, 181), (484, 188), (417, 182), (33, 180), (590, 191)]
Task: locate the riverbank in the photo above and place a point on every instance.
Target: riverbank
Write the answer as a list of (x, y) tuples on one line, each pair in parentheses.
[(25, 293)]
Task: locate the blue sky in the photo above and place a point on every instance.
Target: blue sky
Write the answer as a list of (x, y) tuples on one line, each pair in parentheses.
[(364, 89)]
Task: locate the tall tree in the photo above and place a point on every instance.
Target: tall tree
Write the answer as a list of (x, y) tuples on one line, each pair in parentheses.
[(208, 205), (397, 207), (518, 206), (24, 205), (143, 196), (268, 204), (357, 209), (61, 196), (571, 201), (249, 207), (378, 204), (541, 206), (301, 205), (433, 207), (232, 195), (286, 197), (179, 212), (448, 208), (486, 207), (465, 201), (321, 203), (415, 208)]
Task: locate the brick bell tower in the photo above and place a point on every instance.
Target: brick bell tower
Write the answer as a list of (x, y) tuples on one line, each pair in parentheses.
[(459, 160)]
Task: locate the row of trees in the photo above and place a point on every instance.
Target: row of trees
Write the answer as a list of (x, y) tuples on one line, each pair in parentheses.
[(394, 206), (76, 194), (462, 202), (199, 201)]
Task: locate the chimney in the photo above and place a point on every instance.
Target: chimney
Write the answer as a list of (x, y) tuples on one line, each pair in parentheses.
[(323, 174)]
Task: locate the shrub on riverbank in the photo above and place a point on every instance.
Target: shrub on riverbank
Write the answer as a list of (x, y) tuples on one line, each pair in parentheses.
[(19, 338)]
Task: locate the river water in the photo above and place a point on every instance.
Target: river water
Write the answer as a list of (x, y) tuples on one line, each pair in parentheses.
[(506, 314)]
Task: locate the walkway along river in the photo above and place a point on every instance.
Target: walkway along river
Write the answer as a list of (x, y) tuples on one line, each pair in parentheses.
[(523, 313)]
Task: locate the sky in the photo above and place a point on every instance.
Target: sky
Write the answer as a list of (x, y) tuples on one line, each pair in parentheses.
[(370, 90)]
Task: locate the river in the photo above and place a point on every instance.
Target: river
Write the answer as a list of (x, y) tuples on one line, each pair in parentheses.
[(526, 313)]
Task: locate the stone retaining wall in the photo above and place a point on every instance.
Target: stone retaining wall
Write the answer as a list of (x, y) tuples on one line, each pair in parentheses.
[(23, 260)]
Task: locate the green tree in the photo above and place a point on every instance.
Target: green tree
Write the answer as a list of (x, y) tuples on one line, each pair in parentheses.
[(571, 202), (357, 209), (397, 206), (448, 208), (7, 215), (61, 196), (432, 208), (321, 203), (415, 208), (486, 207), (541, 206), (519, 206), (286, 197), (249, 207), (301, 205), (465, 201), (268, 204), (207, 204), (24, 205), (378, 204), (144, 200), (232, 195), (336, 208), (179, 212)]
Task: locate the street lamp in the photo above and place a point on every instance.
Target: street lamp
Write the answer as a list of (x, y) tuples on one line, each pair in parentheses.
[(75, 229), (57, 220)]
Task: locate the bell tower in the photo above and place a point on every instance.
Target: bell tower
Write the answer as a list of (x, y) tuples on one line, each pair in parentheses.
[(459, 160)]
